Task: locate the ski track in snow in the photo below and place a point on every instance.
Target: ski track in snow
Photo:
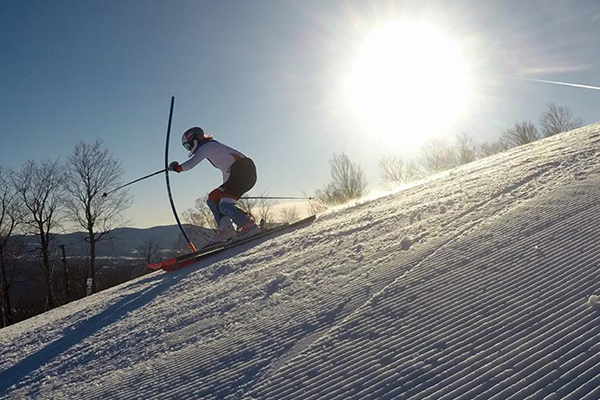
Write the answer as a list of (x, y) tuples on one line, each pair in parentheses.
[(471, 284)]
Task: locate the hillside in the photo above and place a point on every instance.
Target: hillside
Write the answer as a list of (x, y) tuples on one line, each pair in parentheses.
[(473, 284), (122, 242)]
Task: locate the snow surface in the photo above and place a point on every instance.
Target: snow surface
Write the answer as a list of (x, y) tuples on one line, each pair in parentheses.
[(474, 284)]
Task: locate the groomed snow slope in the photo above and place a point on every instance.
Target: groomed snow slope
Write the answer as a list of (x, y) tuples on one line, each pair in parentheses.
[(472, 285)]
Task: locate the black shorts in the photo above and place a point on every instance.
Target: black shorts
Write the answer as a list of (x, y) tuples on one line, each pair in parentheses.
[(242, 178)]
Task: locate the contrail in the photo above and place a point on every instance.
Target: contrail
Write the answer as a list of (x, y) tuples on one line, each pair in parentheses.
[(559, 83)]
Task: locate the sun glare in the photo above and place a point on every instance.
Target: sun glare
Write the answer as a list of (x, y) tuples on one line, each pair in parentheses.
[(408, 81)]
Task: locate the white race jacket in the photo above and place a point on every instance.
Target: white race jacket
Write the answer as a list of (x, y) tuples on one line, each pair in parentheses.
[(219, 155)]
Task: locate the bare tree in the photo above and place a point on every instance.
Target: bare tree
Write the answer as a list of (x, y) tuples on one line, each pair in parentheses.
[(395, 171), (557, 119), (65, 264), (150, 250), (466, 149), (200, 214), (520, 134), (289, 214), (14, 256), (93, 171), (488, 149), (436, 156), (392, 170), (316, 206), (264, 210), (412, 171), (249, 207), (40, 189), (347, 182), (11, 215)]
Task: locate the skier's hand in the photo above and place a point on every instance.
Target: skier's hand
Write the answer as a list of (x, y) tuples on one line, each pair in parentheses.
[(175, 166)]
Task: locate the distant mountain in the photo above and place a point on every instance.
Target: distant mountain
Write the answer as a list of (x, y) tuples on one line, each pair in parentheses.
[(124, 241)]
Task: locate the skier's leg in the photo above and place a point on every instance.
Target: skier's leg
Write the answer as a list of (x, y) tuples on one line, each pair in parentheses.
[(225, 229), (228, 207), (246, 226), (241, 179), (214, 208)]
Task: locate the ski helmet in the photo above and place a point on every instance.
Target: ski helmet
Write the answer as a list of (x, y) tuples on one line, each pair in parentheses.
[(191, 138)]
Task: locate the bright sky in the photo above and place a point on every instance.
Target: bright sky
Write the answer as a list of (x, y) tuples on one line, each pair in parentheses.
[(288, 83)]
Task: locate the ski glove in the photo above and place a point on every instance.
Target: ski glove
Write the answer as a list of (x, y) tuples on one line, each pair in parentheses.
[(175, 166)]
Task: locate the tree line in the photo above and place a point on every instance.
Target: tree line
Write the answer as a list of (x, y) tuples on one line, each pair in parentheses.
[(348, 181), (40, 198)]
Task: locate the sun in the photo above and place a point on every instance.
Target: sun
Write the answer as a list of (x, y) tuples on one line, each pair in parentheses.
[(408, 81)]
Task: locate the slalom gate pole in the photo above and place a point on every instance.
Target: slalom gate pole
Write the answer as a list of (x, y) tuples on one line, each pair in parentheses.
[(132, 182), (275, 198), (166, 170)]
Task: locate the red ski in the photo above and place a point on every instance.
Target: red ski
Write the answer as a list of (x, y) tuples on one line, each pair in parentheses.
[(176, 263)]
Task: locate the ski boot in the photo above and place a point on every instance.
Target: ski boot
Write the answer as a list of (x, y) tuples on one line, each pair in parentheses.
[(225, 232), (248, 230)]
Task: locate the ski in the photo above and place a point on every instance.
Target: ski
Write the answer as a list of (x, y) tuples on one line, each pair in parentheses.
[(175, 263)]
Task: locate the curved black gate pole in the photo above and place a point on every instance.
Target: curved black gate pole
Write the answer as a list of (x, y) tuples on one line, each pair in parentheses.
[(185, 235)]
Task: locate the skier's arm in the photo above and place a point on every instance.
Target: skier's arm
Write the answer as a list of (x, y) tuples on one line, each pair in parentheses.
[(192, 162)]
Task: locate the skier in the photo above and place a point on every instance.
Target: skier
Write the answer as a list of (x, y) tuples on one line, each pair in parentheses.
[(239, 176)]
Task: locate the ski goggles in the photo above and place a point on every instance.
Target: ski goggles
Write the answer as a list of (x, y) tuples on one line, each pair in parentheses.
[(187, 146)]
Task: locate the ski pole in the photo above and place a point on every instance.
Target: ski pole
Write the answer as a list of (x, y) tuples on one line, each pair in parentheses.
[(166, 170), (132, 182), (276, 198)]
